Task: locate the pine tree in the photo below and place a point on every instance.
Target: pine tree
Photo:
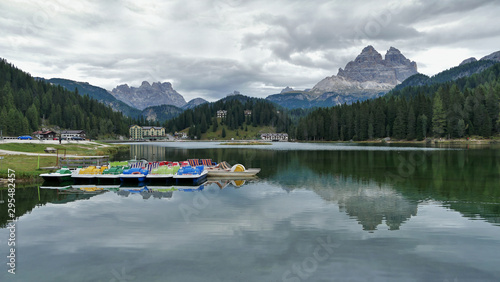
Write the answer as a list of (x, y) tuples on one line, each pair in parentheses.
[(438, 117), (371, 131), (421, 130), (223, 132), (215, 125), (498, 123), (411, 124), (33, 117), (203, 124), (460, 128), (399, 127)]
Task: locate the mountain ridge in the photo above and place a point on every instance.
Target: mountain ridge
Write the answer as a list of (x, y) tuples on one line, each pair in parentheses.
[(148, 94), (367, 76), (97, 93)]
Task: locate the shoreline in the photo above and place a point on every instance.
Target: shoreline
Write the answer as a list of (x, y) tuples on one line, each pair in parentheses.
[(28, 159)]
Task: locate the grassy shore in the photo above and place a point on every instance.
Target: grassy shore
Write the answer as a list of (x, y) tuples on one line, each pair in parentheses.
[(26, 167), (71, 149)]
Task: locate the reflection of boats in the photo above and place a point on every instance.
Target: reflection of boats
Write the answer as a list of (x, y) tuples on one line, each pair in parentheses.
[(93, 187), (61, 175), (88, 188), (146, 192), (189, 188), (222, 182), (236, 171)]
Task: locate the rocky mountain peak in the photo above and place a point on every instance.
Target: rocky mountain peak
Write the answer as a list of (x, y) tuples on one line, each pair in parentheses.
[(287, 89), (492, 57), (369, 66), (194, 102), (469, 60), (148, 95), (368, 55)]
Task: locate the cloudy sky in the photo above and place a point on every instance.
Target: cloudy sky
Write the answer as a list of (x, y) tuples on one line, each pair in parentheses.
[(210, 48)]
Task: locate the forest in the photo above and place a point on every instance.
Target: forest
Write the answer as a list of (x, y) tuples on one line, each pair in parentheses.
[(27, 104), (468, 106), (203, 118)]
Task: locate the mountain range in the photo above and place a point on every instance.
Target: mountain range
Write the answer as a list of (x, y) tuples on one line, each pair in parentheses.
[(149, 95), (368, 76), (156, 102)]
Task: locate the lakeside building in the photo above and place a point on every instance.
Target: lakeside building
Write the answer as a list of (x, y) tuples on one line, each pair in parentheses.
[(274, 137), (137, 132), (69, 134), (180, 135), (46, 135)]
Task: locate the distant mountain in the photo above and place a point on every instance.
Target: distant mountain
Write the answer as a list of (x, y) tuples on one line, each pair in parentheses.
[(492, 57), (97, 93), (287, 90), (368, 76), (469, 60), (149, 95), (466, 68), (194, 103), (239, 97), (495, 56), (161, 113)]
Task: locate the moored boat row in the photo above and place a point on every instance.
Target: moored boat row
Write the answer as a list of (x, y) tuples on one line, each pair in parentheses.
[(192, 171)]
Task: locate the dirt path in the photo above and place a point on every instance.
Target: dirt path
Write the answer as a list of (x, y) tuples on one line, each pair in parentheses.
[(7, 152)]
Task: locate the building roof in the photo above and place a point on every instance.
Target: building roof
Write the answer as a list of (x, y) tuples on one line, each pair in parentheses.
[(73, 132), (152, 127), (43, 132)]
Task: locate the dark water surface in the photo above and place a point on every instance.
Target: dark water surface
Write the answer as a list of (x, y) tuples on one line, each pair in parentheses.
[(317, 212)]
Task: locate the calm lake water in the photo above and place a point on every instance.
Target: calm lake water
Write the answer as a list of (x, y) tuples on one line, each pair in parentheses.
[(317, 212)]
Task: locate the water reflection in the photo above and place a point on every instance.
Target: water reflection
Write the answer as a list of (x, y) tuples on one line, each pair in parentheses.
[(372, 187), (464, 180), (378, 222)]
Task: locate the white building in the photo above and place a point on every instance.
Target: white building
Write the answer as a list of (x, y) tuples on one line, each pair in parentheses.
[(274, 136), (221, 113), (68, 134)]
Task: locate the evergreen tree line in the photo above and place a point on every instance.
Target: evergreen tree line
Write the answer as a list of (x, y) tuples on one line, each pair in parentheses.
[(204, 117), (466, 107), (26, 104)]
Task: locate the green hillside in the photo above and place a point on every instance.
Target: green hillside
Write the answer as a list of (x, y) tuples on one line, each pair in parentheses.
[(27, 103), (452, 74), (161, 113), (202, 121), (97, 93)]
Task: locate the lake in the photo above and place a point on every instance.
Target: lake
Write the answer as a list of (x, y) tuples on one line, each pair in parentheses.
[(317, 212)]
